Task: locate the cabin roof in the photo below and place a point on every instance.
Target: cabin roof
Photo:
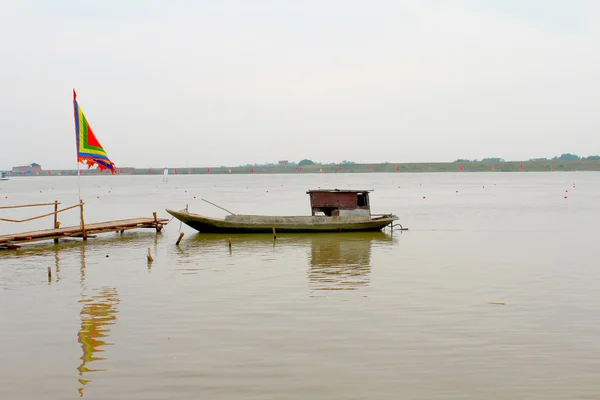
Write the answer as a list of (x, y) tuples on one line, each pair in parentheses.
[(337, 191)]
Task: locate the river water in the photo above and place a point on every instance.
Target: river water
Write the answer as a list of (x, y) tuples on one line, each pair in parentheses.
[(329, 316)]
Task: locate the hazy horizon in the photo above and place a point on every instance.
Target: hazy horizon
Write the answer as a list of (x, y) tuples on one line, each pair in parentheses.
[(184, 83), (343, 163)]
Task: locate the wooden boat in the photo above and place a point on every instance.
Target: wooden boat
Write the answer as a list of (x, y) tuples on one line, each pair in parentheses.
[(332, 211)]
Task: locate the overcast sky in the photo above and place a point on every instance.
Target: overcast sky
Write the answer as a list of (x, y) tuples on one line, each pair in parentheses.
[(209, 83)]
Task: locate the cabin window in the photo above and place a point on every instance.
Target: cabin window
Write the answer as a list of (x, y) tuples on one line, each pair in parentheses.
[(327, 211), (362, 200)]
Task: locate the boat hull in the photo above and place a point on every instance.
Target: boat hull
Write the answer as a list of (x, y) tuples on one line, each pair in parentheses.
[(265, 224)]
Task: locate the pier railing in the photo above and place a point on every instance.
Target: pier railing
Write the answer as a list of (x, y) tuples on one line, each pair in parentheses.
[(55, 213)]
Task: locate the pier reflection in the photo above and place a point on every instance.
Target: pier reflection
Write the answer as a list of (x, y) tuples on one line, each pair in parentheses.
[(98, 312), (57, 264)]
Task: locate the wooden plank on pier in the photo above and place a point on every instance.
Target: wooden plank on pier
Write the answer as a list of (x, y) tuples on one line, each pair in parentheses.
[(12, 240)]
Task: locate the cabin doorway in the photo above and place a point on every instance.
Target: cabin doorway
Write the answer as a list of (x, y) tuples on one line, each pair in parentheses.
[(363, 200)]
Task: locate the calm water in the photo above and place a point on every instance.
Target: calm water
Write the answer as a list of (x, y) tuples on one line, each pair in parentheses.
[(334, 316)]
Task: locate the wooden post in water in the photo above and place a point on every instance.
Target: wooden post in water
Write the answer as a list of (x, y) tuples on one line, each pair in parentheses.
[(56, 223), (156, 222), (229, 242), (49, 274), (83, 233), (179, 239), (150, 259), (274, 234)]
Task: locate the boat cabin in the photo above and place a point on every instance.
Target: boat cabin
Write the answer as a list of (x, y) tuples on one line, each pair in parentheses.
[(337, 202)]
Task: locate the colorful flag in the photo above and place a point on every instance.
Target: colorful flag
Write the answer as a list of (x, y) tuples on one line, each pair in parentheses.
[(89, 149)]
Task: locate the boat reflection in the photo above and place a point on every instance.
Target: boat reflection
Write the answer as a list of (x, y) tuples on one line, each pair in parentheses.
[(341, 263), (97, 314), (335, 261)]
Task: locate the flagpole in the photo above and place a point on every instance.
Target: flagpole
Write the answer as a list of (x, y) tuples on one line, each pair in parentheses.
[(77, 145), (78, 181)]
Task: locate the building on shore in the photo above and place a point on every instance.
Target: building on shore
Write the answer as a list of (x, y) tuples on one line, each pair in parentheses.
[(31, 169), (283, 163)]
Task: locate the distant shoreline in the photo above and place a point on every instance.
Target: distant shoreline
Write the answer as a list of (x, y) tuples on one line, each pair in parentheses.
[(511, 166)]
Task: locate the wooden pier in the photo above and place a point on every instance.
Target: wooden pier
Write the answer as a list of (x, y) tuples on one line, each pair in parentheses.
[(83, 231)]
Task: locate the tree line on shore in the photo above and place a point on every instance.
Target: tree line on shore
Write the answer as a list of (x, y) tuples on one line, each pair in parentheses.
[(562, 157), (306, 161)]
